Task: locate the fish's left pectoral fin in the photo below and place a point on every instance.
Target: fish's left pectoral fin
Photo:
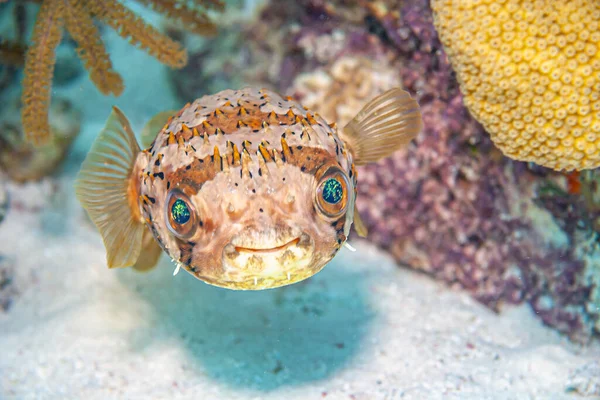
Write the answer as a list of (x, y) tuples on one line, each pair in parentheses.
[(386, 124), (107, 189), (149, 254), (154, 126), (359, 225)]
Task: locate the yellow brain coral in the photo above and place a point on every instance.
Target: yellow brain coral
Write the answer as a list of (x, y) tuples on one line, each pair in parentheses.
[(530, 73)]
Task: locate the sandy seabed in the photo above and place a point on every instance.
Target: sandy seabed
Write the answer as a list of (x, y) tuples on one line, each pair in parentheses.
[(361, 329)]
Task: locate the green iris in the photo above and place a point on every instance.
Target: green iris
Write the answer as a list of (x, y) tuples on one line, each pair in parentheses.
[(180, 212), (332, 191)]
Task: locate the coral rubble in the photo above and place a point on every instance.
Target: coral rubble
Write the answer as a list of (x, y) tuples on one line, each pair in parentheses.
[(7, 288)]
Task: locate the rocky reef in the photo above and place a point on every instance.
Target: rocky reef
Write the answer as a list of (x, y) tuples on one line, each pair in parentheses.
[(450, 205)]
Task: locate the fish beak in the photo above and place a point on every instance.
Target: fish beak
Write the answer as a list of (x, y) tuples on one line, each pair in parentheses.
[(265, 266)]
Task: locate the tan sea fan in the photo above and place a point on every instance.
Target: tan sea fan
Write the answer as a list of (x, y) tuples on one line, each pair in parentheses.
[(77, 17)]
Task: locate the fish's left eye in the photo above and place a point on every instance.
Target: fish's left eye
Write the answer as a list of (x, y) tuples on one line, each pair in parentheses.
[(332, 193), (181, 215)]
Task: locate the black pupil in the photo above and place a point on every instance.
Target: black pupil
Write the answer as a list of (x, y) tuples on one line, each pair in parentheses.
[(180, 212), (332, 191)]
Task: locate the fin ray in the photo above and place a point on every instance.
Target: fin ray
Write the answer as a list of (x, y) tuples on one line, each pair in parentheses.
[(105, 189), (359, 225), (384, 125), (150, 253)]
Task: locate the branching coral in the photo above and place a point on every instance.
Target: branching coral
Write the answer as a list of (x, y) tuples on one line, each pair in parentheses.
[(77, 16), (530, 73)]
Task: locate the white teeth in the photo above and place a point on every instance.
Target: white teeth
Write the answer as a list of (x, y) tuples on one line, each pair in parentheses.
[(255, 281), (347, 245), (289, 276), (177, 269)]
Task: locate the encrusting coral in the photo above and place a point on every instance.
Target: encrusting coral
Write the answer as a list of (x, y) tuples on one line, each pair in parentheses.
[(530, 73), (77, 17)]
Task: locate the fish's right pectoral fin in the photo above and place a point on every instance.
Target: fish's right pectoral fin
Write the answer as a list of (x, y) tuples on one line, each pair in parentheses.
[(108, 190), (149, 254)]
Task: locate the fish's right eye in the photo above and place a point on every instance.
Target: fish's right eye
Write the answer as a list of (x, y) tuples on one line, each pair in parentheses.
[(181, 215)]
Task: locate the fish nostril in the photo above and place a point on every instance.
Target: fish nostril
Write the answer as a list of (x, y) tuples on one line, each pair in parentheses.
[(290, 198), (230, 208)]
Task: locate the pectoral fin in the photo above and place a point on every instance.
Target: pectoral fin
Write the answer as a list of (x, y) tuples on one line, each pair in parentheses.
[(383, 126), (149, 254), (359, 225), (107, 188), (154, 126)]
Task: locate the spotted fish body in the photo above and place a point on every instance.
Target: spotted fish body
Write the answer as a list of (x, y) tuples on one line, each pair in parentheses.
[(246, 156), (244, 189)]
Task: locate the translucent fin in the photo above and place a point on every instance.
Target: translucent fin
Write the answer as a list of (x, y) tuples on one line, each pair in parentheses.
[(106, 189), (359, 225), (155, 125), (149, 254), (383, 126)]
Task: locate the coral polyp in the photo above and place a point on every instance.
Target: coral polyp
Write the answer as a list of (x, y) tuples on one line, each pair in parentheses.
[(530, 73)]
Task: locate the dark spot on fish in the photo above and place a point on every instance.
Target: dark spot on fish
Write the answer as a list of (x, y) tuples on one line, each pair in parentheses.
[(236, 184), (188, 167), (168, 185), (157, 162), (250, 173), (259, 172), (189, 260), (260, 209), (201, 224), (299, 147), (152, 199), (159, 175), (253, 190), (303, 169)]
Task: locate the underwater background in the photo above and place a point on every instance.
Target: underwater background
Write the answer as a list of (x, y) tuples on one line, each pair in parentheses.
[(480, 275)]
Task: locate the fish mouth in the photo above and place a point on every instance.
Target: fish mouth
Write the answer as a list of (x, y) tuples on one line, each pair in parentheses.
[(284, 246)]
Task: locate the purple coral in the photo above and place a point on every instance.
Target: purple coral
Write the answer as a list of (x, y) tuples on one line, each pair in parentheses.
[(447, 205)]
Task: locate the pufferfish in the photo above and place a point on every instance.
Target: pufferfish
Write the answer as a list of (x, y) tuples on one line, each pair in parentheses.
[(244, 189)]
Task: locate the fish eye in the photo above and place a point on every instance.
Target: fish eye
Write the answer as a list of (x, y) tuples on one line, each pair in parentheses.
[(332, 193), (180, 214)]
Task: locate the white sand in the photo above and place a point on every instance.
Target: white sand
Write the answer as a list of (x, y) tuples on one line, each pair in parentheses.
[(361, 329)]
